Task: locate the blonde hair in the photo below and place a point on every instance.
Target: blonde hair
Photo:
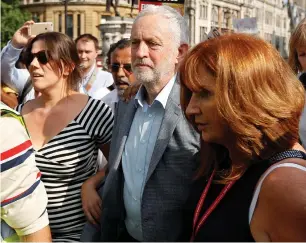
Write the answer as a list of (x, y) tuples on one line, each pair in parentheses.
[(297, 39), (257, 95)]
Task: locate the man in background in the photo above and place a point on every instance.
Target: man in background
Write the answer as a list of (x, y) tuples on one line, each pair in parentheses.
[(95, 81), (119, 64)]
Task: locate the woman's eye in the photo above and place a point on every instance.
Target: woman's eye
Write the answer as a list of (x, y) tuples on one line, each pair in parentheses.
[(205, 93)]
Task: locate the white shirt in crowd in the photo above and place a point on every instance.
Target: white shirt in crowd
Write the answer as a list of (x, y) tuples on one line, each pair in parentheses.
[(111, 98)]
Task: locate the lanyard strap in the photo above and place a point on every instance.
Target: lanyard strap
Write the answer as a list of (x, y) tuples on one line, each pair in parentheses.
[(196, 226), (92, 79)]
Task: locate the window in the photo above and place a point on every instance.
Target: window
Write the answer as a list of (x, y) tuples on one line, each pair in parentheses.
[(278, 40), (60, 25), (36, 1), (35, 17), (268, 18), (79, 24), (278, 21), (258, 14), (203, 11), (203, 31), (214, 14), (70, 25), (285, 23), (268, 37)]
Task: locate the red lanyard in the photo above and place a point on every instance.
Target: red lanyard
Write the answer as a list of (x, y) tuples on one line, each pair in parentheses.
[(210, 209)]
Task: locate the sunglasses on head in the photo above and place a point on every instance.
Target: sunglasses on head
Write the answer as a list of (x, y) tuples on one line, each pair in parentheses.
[(41, 57), (116, 66)]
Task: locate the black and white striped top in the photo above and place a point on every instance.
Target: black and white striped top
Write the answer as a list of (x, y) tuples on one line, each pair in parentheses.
[(69, 159)]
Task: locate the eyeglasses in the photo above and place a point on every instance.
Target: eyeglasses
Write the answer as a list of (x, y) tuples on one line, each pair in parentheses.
[(41, 57), (116, 66)]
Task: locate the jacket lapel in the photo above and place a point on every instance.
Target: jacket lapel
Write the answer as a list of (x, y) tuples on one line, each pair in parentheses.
[(122, 129), (171, 117)]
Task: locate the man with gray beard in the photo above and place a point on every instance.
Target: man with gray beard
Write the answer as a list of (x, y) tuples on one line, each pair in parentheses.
[(153, 149)]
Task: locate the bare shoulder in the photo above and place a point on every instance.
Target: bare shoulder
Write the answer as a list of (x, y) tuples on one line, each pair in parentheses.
[(281, 211), (286, 185), (77, 99), (29, 106)]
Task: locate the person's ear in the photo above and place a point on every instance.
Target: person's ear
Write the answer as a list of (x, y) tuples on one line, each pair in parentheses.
[(182, 51), (68, 69)]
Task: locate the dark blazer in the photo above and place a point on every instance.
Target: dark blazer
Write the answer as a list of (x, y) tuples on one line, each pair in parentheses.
[(168, 180)]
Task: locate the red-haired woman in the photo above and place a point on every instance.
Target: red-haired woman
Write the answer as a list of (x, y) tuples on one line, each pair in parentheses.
[(246, 103)]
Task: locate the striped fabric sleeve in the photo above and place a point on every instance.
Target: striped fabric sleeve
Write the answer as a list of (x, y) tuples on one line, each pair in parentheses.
[(105, 125), (23, 196)]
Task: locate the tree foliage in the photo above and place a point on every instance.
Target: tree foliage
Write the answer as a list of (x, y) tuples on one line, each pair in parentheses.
[(12, 18)]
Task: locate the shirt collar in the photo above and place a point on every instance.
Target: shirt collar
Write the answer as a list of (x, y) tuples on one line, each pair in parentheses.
[(162, 97)]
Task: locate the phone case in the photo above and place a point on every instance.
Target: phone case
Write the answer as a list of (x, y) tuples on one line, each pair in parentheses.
[(39, 28)]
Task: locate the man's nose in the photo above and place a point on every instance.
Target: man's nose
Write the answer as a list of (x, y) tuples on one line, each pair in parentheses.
[(121, 72), (82, 55), (142, 50)]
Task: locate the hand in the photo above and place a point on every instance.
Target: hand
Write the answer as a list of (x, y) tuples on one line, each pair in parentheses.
[(21, 36), (91, 202), (9, 99)]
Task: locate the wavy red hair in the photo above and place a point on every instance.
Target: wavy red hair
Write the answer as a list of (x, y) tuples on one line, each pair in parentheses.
[(257, 94)]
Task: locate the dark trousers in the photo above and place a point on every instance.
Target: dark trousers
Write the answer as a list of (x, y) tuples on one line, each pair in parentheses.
[(126, 237)]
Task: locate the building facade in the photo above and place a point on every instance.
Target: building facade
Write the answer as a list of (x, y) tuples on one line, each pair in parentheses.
[(83, 16), (272, 19), (297, 11)]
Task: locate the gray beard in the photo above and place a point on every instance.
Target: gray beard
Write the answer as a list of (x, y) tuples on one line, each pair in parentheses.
[(120, 92), (147, 78)]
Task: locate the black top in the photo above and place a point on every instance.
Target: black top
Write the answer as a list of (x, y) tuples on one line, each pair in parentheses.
[(229, 220)]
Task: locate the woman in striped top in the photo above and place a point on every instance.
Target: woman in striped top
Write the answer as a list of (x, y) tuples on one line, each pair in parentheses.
[(66, 128)]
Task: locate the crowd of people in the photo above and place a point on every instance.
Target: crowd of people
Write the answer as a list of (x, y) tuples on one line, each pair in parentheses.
[(172, 144)]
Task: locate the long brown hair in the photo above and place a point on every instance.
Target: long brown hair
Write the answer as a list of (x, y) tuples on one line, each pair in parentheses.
[(297, 39), (257, 94), (61, 52)]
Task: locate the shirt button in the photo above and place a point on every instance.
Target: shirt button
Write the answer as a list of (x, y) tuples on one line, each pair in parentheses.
[(143, 141), (139, 170)]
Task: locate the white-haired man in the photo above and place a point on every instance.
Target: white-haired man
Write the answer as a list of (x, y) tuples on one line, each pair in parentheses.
[(154, 149)]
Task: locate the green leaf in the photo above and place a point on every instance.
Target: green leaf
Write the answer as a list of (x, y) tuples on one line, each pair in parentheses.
[(12, 18)]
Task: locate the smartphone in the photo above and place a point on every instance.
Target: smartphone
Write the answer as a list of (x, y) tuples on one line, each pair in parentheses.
[(39, 28)]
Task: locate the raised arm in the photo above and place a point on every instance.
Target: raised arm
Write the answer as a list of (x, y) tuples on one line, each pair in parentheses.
[(10, 75)]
